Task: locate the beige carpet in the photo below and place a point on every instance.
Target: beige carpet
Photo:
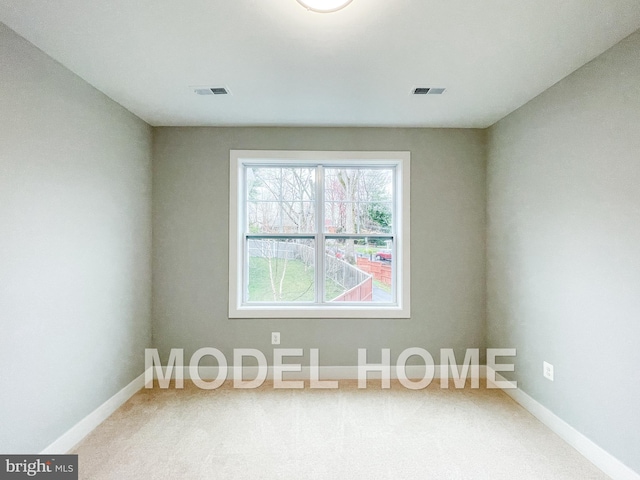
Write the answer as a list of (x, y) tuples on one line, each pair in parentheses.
[(326, 434)]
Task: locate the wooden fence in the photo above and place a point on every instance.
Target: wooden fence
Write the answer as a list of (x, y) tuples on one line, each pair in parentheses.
[(380, 270), (357, 282), (362, 292)]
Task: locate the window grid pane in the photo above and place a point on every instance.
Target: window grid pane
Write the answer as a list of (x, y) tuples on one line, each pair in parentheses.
[(280, 199), (359, 269), (358, 200), (280, 270)]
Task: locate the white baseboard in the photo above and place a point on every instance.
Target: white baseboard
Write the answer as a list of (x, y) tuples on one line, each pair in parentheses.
[(80, 430), (592, 452)]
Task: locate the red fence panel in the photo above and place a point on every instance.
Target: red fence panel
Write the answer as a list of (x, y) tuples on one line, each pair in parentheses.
[(380, 270), (360, 293)]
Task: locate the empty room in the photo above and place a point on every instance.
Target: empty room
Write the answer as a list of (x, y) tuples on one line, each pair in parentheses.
[(320, 239)]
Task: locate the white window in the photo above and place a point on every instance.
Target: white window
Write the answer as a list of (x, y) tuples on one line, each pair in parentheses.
[(319, 234)]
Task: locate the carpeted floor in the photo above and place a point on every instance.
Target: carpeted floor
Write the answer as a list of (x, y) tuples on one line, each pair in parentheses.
[(327, 434)]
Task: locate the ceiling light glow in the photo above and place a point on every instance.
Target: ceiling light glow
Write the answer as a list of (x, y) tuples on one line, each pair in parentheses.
[(324, 6)]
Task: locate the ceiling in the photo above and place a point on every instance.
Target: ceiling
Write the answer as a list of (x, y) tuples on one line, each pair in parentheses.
[(285, 65)]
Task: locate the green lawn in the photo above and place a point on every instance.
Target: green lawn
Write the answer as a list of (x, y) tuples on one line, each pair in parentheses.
[(298, 285)]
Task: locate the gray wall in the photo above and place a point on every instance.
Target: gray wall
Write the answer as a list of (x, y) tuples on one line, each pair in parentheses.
[(190, 243), (75, 191), (564, 247)]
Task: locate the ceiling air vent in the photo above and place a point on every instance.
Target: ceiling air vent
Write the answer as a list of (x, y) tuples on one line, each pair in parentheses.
[(210, 90), (428, 91)]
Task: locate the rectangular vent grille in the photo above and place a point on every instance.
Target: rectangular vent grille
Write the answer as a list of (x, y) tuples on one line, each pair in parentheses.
[(428, 91), (210, 90)]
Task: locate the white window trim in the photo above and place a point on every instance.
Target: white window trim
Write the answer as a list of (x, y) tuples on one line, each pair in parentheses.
[(402, 308)]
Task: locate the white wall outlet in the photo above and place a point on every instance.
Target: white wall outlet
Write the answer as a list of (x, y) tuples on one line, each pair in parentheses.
[(547, 370), (275, 338)]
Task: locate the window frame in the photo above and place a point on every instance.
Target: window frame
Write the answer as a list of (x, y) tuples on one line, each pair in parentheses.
[(237, 263)]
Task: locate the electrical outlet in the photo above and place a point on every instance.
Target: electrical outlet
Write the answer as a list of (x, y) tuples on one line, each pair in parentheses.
[(547, 370), (275, 338)]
